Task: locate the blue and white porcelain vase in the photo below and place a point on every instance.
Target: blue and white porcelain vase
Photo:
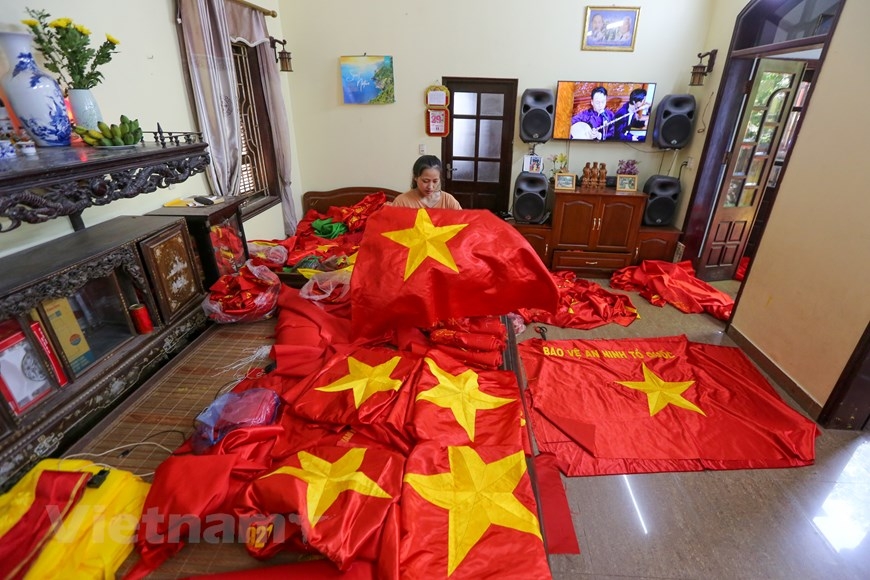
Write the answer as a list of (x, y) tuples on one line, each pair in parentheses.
[(84, 108), (35, 97)]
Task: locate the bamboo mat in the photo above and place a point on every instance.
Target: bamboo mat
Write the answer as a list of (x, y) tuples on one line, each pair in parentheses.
[(162, 411)]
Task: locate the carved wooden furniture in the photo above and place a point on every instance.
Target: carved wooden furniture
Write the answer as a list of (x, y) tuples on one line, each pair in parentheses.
[(81, 298), (64, 181), (218, 234), (539, 237)]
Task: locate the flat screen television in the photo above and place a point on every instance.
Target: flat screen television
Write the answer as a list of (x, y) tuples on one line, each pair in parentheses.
[(603, 111)]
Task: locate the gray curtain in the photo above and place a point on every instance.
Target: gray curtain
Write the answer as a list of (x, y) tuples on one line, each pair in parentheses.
[(209, 23), (210, 62)]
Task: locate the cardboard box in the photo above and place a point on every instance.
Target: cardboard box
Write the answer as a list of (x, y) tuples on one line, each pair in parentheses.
[(59, 315)]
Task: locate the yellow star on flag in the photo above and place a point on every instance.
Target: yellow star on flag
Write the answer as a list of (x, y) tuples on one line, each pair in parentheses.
[(477, 495), (661, 393), (365, 380), (424, 240), (327, 480), (461, 394)]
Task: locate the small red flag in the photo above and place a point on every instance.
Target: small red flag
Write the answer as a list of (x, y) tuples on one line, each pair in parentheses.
[(416, 267)]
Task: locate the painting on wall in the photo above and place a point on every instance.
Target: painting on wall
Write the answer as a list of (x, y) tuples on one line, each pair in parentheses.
[(610, 28), (367, 80)]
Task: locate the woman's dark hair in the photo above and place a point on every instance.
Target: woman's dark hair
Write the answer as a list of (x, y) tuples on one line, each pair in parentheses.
[(425, 162)]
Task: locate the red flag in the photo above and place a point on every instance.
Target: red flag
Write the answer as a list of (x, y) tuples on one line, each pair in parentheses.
[(416, 267), (336, 498), (661, 404), (666, 283), (456, 405), (469, 513), (583, 304)]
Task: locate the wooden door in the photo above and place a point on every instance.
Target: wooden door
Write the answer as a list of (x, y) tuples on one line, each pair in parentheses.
[(749, 162), (478, 152)]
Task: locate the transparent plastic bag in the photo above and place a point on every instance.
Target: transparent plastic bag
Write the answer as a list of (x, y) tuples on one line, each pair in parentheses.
[(329, 287), (230, 411), (248, 295)]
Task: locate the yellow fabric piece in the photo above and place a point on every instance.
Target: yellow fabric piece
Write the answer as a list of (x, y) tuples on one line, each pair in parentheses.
[(97, 535)]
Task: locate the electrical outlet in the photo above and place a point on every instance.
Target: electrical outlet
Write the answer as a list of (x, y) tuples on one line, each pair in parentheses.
[(422, 149), (690, 162)]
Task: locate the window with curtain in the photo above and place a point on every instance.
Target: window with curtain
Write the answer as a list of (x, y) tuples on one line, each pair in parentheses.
[(257, 176)]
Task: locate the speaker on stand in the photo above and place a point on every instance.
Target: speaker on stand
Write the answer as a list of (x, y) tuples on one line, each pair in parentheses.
[(532, 201), (537, 108), (674, 121), (661, 207)]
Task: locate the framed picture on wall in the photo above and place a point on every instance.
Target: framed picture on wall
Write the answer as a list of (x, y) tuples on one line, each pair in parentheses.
[(610, 28)]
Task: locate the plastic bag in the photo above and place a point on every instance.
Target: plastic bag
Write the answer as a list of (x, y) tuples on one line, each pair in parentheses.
[(271, 254), (231, 411), (330, 287), (249, 294)]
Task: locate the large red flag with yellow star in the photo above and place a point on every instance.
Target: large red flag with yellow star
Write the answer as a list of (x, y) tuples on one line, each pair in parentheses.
[(658, 404), (416, 267), (469, 513)]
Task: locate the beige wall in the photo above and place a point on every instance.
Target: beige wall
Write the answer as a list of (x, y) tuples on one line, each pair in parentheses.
[(536, 43), (145, 80), (807, 301)]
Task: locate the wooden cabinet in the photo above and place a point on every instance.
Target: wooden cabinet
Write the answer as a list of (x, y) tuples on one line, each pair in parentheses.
[(655, 243), (595, 231), (73, 348), (218, 234), (538, 237)]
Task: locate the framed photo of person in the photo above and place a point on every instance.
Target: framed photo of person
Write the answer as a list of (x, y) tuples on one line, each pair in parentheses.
[(565, 182), (533, 163), (626, 182), (610, 28)]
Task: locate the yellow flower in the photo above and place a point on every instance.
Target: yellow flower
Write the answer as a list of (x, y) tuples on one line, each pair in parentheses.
[(82, 29), (60, 23), (112, 39), (29, 22)]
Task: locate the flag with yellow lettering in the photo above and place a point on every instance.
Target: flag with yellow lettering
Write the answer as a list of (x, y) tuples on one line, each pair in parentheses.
[(658, 404), (416, 267), (469, 513)]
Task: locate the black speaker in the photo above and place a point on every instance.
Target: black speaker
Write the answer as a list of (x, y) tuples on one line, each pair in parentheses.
[(662, 203), (531, 200), (537, 107), (674, 119)]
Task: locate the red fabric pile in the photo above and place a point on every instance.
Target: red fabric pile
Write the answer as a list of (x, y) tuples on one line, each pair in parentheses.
[(675, 284)]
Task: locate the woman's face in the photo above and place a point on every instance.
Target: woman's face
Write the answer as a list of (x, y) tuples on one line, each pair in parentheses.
[(429, 181)]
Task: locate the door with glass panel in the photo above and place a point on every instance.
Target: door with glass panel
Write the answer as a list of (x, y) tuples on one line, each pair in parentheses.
[(750, 160), (478, 153)]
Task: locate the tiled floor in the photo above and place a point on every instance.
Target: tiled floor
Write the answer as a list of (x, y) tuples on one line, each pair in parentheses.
[(796, 524)]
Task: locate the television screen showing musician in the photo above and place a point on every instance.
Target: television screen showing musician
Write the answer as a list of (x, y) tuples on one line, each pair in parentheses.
[(603, 111)]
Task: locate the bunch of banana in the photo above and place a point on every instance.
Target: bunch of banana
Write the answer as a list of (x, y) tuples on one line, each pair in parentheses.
[(126, 132)]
